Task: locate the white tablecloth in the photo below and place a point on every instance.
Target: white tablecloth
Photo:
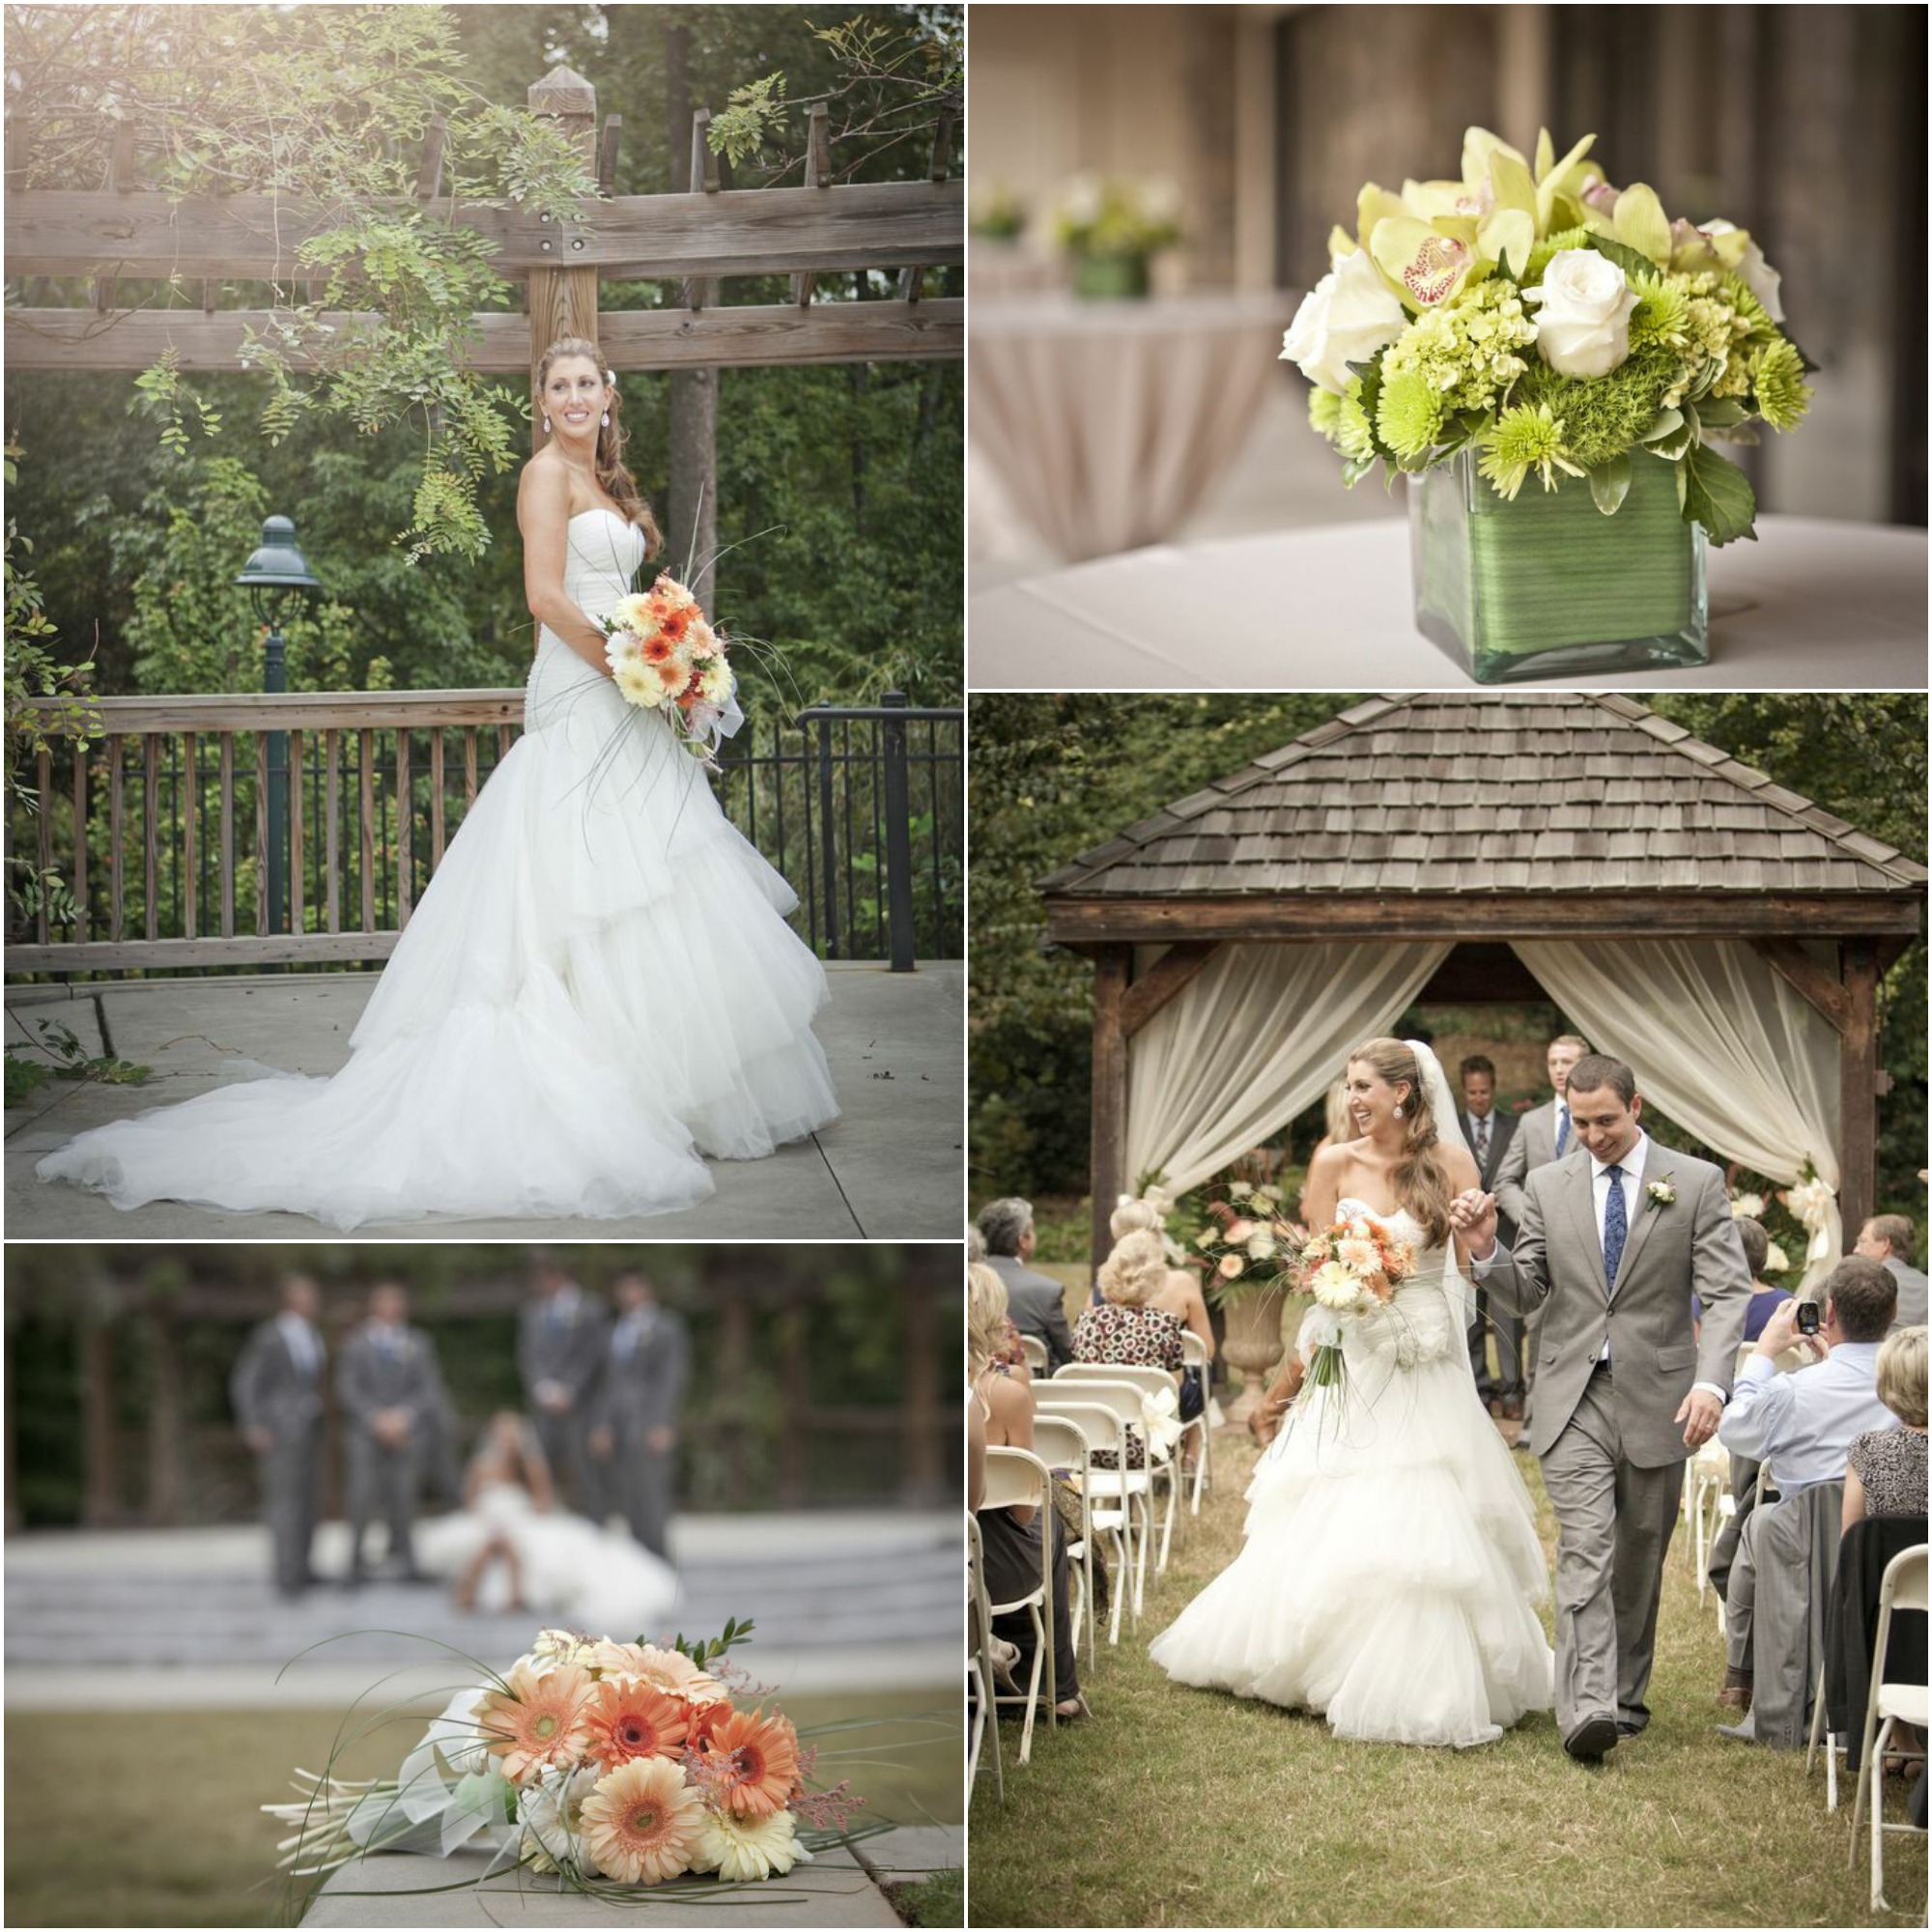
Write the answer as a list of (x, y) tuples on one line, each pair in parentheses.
[(1810, 605), (1108, 421)]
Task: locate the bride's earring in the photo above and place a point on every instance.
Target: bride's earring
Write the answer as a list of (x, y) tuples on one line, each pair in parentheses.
[(546, 425), (1398, 1110), (606, 418)]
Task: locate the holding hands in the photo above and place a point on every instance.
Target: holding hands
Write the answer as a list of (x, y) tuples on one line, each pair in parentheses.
[(1473, 1214)]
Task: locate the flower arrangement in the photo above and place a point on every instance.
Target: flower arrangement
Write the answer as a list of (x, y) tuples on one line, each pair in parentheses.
[(1350, 1268), (1553, 327), (664, 656), (1249, 1240), (998, 214), (1104, 214), (609, 1766)]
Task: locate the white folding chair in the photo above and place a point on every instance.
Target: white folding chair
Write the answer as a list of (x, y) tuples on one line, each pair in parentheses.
[(1016, 1478), (1107, 1512), (1163, 1468), (1035, 1352), (1132, 1487), (1061, 1443), (1889, 1705), (1707, 1488), (1834, 1747), (1194, 1355), (980, 1662)]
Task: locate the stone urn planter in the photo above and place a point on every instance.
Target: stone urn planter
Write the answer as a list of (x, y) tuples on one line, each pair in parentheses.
[(1254, 1345)]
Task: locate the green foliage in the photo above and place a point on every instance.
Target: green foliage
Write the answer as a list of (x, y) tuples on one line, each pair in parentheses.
[(71, 1061), (754, 115), (1718, 495), (24, 1079), (1604, 418), (705, 1650)]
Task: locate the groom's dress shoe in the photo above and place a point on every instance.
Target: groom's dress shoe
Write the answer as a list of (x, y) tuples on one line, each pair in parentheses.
[(1626, 1729), (1592, 1741)]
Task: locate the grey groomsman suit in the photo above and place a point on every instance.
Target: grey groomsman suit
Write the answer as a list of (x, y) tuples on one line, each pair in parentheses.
[(276, 1386), (1533, 1145), (561, 1338), (376, 1373), (1611, 1449), (1038, 1306), (643, 1389), (1911, 1293), (1507, 1325)]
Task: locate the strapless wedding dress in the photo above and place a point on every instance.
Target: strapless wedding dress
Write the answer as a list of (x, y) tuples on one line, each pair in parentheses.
[(1391, 1569), (597, 987)]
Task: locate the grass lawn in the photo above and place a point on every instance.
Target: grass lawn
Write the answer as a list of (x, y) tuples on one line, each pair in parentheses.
[(149, 1818), (1176, 1806)]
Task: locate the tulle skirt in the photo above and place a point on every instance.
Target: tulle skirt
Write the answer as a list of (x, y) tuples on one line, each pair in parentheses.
[(1390, 1572), (597, 987)]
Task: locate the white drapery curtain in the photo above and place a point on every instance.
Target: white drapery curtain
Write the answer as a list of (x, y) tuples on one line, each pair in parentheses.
[(1255, 1036), (1723, 1044)]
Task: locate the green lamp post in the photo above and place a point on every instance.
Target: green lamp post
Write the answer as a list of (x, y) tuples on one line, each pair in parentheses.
[(275, 576)]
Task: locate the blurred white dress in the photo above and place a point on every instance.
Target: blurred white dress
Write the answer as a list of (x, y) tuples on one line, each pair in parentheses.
[(1391, 1569), (597, 987), (590, 1579)]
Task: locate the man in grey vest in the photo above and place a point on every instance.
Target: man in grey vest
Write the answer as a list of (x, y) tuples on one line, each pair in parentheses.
[(389, 1384), (1889, 1238), (1489, 1135), (643, 1389), (1614, 1240), (1035, 1302), (276, 1392), (560, 1345)]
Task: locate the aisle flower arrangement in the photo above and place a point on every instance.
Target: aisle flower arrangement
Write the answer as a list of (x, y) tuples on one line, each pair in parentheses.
[(1112, 228), (1533, 325)]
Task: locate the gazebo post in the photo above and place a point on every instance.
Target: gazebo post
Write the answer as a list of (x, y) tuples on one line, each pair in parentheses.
[(1857, 1088), (1111, 964)]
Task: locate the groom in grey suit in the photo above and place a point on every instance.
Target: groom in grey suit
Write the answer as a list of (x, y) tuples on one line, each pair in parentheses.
[(1614, 1239)]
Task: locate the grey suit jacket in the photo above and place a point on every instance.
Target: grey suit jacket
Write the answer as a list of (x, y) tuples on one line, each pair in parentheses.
[(1673, 1249), (1037, 1305), (571, 1352), (269, 1391), (647, 1391), (367, 1382), (1911, 1293), (1533, 1145)]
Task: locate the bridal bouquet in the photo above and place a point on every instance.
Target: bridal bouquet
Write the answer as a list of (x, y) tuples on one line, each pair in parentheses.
[(1350, 1268), (609, 1765), (664, 656), (1554, 327)]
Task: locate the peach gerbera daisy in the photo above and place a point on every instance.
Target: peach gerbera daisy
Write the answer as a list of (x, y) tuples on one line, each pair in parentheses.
[(536, 1720), (642, 1822), (673, 1673), (752, 1761), (628, 1717), (659, 648)]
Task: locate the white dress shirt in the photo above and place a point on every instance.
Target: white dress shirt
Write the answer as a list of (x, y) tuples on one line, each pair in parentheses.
[(1802, 1422)]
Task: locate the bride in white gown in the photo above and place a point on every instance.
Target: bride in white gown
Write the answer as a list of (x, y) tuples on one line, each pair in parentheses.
[(1391, 1569), (597, 986)]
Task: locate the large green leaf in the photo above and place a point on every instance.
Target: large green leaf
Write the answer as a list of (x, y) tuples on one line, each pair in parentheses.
[(1718, 495), (1609, 484), (1632, 261)]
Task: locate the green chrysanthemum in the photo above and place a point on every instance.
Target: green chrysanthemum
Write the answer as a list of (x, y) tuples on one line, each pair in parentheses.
[(1325, 411), (1552, 244), (1522, 440), (1778, 376), (1663, 313), (1408, 413), (1354, 435), (1756, 317), (1608, 416)]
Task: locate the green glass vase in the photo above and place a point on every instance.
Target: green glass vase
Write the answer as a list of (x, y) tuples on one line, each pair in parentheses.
[(1547, 585), (1110, 277)]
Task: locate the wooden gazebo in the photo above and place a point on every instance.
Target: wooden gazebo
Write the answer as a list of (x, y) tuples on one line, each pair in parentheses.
[(1479, 819)]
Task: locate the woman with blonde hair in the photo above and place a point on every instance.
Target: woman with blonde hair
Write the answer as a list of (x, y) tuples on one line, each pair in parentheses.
[(1884, 1473)]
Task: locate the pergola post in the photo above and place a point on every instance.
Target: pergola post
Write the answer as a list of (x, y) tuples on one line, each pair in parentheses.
[(1857, 1088), (562, 300), (1111, 967)]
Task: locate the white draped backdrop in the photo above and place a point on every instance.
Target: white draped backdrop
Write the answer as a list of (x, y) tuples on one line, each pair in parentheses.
[(1717, 1039)]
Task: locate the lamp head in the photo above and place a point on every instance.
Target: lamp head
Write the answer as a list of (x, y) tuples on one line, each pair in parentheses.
[(277, 570)]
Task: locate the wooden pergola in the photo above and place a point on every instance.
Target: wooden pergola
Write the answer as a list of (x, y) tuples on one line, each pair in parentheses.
[(1479, 819)]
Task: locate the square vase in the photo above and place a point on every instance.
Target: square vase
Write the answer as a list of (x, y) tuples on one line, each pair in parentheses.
[(1547, 585)]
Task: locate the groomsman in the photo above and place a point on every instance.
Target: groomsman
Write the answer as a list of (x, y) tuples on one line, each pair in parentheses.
[(1887, 1239), (1489, 1134), (276, 1392), (391, 1388), (636, 1436), (560, 1349), (1541, 1135)]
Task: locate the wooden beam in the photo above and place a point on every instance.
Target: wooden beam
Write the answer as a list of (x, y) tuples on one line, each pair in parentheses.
[(817, 174), (174, 955), (302, 711), (1109, 1157), (702, 290), (912, 281), (769, 230), (1170, 972), (1095, 923), (609, 143), (1858, 1089), (429, 170), (1820, 988), (762, 336)]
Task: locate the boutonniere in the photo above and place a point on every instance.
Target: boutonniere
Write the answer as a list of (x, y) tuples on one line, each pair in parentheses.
[(1662, 1192)]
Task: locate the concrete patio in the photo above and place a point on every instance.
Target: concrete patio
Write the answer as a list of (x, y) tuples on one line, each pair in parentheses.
[(891, 1167)]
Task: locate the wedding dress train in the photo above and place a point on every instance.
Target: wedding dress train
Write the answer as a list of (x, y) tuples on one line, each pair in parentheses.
[(1391, 1566), (597, 987)]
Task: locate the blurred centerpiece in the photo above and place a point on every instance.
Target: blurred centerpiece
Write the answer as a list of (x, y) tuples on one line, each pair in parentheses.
[(1111, 229), (1533, 320)]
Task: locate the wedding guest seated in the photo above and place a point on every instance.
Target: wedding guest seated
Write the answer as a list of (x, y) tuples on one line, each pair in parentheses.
[(1886, 1468), (1036, 1302), (1804, 1423), (1011, 1538), (976, 1245), (1764, 1297), (1889, 1238), (1180, 1291), (1133, 1326)]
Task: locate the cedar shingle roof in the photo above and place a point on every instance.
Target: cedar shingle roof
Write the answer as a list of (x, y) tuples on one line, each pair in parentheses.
[(1502, 792)]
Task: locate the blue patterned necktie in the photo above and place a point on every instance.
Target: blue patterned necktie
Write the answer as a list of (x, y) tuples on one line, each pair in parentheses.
[(1614, 1225), (1562, 1128)]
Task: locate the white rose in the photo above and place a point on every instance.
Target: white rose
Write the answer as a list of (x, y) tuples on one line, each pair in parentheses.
[(1583, 326), (1345, 317), (1754, 271)]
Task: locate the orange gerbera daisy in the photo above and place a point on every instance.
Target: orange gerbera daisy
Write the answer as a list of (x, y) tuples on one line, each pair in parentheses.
[(753, 1761), (627, 1718), (658, 649), (536, 1720), (642, 1822)]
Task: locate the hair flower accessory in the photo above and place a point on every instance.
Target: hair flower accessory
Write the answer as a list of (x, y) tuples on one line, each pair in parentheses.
[(1662, 1192)]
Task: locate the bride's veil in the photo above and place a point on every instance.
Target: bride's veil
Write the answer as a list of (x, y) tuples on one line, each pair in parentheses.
[(1459, 1290)]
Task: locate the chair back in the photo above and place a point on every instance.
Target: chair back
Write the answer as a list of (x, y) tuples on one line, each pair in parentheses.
[(1193, 1350), (1016, 1478), (1058, 1441), (1101, 1426), (1036, 1352), (1151, 1380), (1123, 1398), (1904, 1584)]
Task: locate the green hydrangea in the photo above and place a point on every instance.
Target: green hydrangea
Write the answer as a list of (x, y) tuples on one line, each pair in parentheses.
[(1408, 413), (1522, 440), (1713, 329), (1552, 244), (1467, 353), (1605, 417), (1777, 379)]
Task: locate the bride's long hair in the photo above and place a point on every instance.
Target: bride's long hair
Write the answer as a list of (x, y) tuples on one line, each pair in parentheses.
[(1421, 1180), (613, 478)]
